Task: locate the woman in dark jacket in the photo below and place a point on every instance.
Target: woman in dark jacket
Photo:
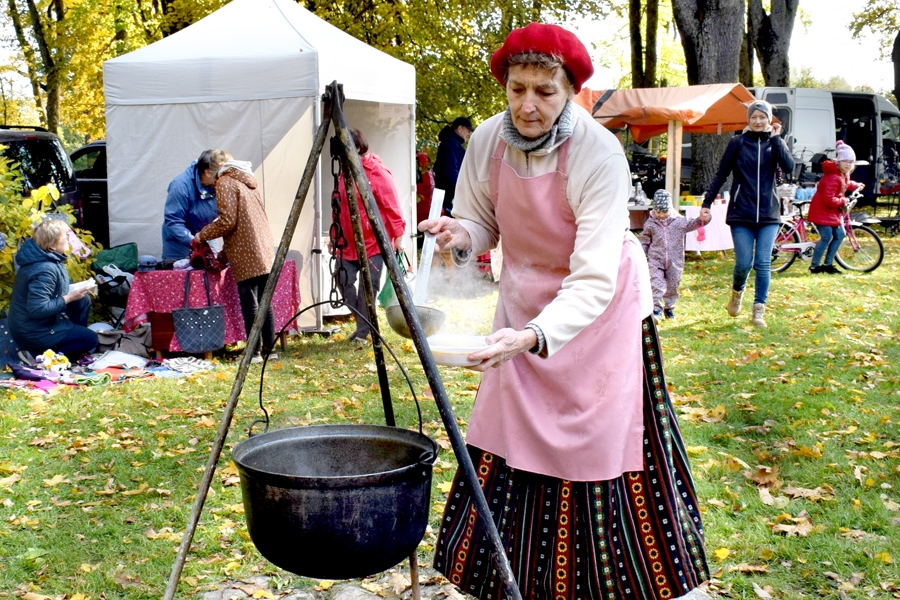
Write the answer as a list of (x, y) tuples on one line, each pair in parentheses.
[(43, 313), (754, 214)]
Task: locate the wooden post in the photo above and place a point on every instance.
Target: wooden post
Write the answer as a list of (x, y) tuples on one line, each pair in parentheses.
[(673, 160)]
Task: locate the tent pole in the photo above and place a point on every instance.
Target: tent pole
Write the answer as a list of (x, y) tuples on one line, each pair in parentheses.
[(670, 158), (679, 150), (252, 340)]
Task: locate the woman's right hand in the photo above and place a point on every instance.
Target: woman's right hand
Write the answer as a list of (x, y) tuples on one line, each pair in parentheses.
[(75, 295), (448, 233)]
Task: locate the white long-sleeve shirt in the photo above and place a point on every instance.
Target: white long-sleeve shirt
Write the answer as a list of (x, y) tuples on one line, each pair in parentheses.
[(598, 186)]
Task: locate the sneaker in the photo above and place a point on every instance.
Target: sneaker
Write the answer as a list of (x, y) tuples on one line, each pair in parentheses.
[(257, 359), (831, 270), (359, 341), (657, 315), (817, 269), (669, 313)]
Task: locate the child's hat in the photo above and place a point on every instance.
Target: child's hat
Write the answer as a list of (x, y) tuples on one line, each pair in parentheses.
[(843, 152), (662, 200)]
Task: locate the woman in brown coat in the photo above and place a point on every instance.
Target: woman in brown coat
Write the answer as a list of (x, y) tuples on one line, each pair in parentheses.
[(243, 225)]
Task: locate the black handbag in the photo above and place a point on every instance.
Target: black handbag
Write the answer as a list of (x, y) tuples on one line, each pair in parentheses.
[(200, 329)]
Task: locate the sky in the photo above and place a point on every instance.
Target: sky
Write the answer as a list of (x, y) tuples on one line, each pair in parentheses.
[(825, 47)]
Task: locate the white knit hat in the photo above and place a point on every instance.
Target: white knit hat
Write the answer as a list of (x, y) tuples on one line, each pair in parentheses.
[(843, 152)]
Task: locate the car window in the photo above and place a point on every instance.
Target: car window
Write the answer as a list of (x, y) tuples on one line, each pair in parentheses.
[(42, 161), (90, 165)]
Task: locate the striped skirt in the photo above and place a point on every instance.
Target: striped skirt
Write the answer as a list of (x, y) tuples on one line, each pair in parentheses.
[(638, 536)]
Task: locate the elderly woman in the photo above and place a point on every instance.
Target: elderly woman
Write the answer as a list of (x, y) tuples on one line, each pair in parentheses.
[(754, 213), (573, 434), (43, 313), (244, 227)]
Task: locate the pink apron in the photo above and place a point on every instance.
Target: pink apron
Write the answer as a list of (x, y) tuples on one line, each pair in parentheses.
[(577, 415)]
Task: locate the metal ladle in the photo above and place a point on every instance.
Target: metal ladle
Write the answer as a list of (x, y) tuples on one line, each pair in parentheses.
[(431, 319)]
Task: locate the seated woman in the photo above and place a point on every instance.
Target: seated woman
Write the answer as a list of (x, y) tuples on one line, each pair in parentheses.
[(43, 312)]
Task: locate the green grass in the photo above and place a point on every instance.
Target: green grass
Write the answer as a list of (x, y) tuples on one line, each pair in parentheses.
[(96, 485)]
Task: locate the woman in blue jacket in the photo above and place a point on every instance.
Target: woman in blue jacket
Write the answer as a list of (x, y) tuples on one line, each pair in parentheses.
[(754, 214), (43, 313)]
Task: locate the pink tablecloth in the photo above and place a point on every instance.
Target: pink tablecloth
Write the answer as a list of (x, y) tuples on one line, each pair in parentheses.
[(163, 291), (718, 234)]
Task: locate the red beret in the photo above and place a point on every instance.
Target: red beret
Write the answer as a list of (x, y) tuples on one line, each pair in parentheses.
[(546, 39)]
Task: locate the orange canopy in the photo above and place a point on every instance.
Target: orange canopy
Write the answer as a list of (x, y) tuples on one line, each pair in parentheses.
[(714, 108)]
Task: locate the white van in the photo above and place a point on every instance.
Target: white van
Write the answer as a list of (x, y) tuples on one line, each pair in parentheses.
[(813, 119)]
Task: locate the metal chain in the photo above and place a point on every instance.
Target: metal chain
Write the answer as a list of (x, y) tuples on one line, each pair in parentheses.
[(339, 275)]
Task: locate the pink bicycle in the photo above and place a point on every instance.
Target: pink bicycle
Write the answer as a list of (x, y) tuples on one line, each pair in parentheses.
[(861, 251)]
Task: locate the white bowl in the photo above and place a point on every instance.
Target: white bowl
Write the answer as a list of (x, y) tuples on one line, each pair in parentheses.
[(453, 350)]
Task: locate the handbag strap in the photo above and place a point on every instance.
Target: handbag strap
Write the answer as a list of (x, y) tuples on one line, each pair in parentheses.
[(187, 288)]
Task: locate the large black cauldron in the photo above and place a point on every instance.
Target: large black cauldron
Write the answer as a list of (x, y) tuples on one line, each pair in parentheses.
[(336, 501)]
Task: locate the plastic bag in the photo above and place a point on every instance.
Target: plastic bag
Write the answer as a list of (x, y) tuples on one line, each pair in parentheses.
[(388, 296)]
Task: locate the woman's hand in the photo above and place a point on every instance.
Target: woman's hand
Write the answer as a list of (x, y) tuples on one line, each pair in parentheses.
[(197, 237), (75, 295), (504, 345), (705, 215), (776, 129), (448, 233), (397, 243)]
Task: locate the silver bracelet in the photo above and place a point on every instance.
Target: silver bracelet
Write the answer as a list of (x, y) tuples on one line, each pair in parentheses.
[(541, 341)]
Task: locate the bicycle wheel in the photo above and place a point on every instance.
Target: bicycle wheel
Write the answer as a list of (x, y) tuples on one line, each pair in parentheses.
[(782, 259), (869, 255)]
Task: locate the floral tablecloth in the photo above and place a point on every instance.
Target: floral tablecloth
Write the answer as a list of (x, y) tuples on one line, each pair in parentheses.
[(163, 291)]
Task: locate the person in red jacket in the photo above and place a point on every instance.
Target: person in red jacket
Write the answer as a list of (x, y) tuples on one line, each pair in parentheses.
[(827, 204), (385, 191)]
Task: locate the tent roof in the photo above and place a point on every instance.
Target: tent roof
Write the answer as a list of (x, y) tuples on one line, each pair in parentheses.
[(256, 49), (711, 108)]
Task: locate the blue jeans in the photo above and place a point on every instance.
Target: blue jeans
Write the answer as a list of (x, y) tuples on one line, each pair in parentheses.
[(753, 249), (79, 339), (830, 239)]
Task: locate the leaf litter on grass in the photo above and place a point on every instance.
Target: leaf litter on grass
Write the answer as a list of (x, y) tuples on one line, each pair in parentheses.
[(791, 431)]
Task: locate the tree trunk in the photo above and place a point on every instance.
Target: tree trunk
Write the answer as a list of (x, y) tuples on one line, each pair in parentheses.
[(650, 60), (772, 38), (34, 76), (643, 56), (711, 35), (746, 71), (51, 73), (637, 44)]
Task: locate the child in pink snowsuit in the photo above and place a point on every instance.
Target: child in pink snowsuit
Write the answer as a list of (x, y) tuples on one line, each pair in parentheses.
[(663, 242)]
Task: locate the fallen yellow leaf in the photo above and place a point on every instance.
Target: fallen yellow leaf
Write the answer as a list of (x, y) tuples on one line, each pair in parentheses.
[(884, 557), (722, 553), (325, 584), (445, 487), (86, 568)]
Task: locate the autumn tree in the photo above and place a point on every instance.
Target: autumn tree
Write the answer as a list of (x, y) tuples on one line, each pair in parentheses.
[(771, 35), (450, 47), (711, 35)]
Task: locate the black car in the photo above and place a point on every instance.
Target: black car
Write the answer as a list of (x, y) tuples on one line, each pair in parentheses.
[(41, 160), (90, 174)]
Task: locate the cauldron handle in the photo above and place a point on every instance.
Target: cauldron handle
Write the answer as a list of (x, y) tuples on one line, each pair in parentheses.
[(375, 332)]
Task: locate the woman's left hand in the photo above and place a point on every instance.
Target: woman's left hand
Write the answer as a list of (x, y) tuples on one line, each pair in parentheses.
[(504, 345), (776, 129), (705, 215), (397, 243)]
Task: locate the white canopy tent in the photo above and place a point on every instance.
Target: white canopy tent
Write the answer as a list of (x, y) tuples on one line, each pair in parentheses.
[(248, 79)]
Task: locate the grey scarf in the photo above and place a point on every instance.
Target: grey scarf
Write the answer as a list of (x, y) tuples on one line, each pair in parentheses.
[(561, 130)]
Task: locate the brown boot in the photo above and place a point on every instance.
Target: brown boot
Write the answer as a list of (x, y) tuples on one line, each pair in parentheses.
[(759, 310), (734, 305)]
